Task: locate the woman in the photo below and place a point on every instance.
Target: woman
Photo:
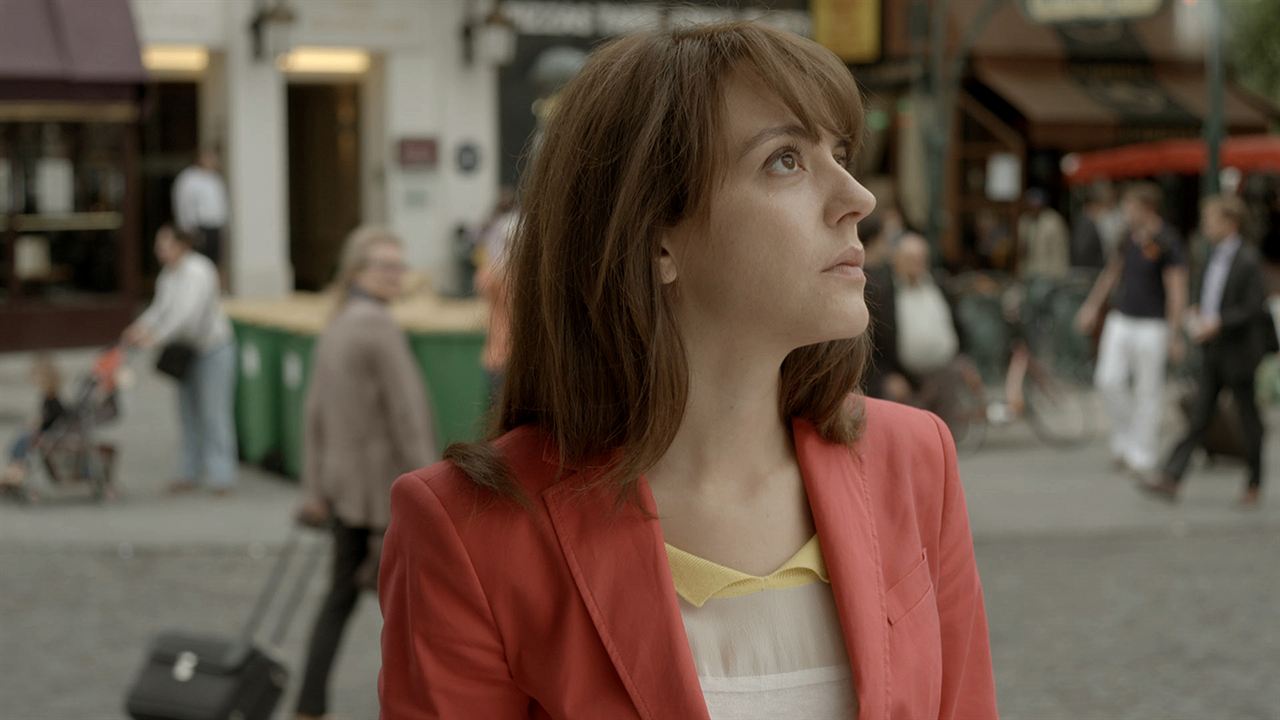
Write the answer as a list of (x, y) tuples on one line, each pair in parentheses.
[(188, 310), (366, 422), (686, 512)]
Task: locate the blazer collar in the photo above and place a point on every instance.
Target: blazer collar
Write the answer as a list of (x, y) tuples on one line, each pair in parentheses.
[(619, 564)]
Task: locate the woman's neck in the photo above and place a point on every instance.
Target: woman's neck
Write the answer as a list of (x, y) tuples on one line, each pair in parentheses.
[(731, 438)]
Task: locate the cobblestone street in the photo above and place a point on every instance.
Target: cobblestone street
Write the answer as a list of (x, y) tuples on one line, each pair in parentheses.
[(1103, 605)]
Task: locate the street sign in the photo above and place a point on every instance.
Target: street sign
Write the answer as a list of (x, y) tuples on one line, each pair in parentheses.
[(1062, 11)]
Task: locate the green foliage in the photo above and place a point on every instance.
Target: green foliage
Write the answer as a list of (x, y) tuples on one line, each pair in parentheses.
[(1253, 44)]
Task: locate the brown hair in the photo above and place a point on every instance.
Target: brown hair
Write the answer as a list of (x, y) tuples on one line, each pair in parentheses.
[(632, 149), (1231, 208), (1147, 194)]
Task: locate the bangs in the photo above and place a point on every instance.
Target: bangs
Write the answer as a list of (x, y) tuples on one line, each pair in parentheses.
[(809, 80)]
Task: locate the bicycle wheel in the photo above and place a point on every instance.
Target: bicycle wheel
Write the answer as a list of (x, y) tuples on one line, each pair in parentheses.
[(1057, 409), (965, 409)]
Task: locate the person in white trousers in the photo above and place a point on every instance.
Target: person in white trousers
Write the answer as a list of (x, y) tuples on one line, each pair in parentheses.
[(1142, 332)]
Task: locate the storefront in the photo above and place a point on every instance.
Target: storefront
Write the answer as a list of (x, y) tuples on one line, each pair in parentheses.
[(70, 80), (1034, 88)]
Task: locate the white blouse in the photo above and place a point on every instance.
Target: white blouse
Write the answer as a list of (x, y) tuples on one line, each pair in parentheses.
[(765, 647)]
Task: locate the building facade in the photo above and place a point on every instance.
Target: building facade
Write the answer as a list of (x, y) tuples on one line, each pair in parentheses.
[(327, 114)]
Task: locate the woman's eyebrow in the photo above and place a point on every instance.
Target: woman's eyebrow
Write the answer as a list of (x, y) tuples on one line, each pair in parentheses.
[(768, 134)]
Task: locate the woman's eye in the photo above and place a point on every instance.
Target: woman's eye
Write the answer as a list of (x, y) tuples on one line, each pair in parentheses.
[(843, 161), (785, 162)]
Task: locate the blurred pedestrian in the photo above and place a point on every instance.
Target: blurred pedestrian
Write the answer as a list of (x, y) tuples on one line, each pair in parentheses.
[(926, 328), (200, 205), (367, 422), (1109, 217), (1044, 250), (1234, 330), (884, 372), (993, 244), (670, 519), (927, 335), (1142, 331), (1087, 247), (45, 375), (491, 281), (187, 320)]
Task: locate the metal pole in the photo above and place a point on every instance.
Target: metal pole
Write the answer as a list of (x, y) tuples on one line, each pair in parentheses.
[(1213, 126), (939, 125), (944, 85)]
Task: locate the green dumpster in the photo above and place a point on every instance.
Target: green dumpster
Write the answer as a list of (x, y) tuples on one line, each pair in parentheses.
[(456, 383), (295, 372), (257, 390)]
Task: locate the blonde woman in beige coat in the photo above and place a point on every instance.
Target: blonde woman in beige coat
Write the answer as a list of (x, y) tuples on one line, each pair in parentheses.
[(367, 422)]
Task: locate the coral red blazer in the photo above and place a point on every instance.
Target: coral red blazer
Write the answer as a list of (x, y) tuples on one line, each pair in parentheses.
[(569, 611)]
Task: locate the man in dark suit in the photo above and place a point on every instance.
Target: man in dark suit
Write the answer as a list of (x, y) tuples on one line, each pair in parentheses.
[(1233, 329)]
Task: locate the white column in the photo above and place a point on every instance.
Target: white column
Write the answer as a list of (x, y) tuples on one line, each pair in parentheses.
[(416, 108), (374, 157), (431, 93), (213, 103), (256, 165)]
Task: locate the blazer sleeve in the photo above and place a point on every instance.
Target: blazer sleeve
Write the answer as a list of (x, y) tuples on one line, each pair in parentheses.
[(968, 682), (442, 654), (1250, 302)]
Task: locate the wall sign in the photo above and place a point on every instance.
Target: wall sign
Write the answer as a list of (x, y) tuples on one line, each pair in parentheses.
[(468, 158), (418, 153)]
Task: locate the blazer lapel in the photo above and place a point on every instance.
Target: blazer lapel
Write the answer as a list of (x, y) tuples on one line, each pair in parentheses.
[(619, 564), (841, 506)]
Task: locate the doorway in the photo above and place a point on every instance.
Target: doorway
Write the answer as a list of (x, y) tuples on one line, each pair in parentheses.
[(324, 177)]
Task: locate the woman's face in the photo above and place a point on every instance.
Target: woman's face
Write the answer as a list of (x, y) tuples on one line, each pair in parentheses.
[(383, 272), (168, 249), (777, 258)]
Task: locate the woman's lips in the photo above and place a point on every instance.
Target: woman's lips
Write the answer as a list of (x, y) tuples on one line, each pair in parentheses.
[(849, 271)]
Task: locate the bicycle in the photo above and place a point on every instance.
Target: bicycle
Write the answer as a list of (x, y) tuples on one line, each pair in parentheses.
[(1045, 375)]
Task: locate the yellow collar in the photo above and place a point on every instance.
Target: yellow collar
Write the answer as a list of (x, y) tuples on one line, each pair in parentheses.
[(698, 580)]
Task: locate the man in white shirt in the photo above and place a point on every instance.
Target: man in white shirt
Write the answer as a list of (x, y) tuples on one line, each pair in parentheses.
[(927, 339), (200, 204)]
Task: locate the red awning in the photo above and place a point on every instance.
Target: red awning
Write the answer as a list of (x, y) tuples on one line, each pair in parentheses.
[(81, 41), (1249, 154)]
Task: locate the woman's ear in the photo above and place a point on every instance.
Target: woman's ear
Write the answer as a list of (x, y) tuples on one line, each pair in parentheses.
[(672, 243), (667, 272)]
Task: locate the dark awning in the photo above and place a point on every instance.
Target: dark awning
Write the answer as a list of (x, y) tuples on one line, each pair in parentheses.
[(74, 41), (1081, 107)]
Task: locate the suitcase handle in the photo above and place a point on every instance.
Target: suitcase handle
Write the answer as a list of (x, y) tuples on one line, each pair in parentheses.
[(278, 570), (292, 602)]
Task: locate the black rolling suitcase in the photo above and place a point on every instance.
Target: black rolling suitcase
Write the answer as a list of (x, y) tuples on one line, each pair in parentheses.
[(202, 677)]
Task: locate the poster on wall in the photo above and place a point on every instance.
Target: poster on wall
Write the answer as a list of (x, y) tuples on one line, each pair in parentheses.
[(55, 186)]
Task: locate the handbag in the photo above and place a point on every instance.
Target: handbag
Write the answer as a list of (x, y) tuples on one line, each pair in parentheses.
[(176, 359)]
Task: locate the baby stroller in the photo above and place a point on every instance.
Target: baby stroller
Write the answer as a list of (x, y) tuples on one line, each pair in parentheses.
[(69, 452)]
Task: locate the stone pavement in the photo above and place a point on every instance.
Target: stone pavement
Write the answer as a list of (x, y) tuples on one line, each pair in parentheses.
[(1103, 605)]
